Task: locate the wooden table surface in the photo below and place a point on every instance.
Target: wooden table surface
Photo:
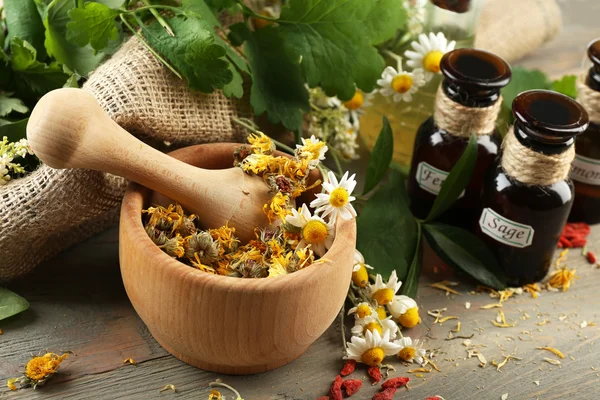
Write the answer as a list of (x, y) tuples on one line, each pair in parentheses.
[(78, 303)]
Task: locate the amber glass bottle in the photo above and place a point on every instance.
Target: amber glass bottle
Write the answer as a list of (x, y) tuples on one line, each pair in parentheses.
[(528, 195), (586, 166), (468, 101)]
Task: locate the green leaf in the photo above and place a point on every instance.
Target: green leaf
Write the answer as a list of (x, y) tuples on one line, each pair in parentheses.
[(332, 40), (234, 88), (15, 131), (93, 24), (11, 303), (238, 33), (9, 104), (523, 79), (381, 157), (457, 180), (410, 286), (464, 252), (218, 5), (33, 75), (193, 52), (80, 59), (202, 9), (74, 77), (23, 21), (115, 4), (567, 85), (387, 231), (277, 87)]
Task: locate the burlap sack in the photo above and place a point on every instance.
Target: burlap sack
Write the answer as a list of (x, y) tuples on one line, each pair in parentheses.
[(51, 210), (531, 22)]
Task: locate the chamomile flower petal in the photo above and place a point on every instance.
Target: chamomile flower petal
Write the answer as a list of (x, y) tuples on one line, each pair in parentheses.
[(362, 310), (372, 323), (383, 293), (405, 311), (372, 348), (428, 52), (399, 84), (337, 199), (411, 351)]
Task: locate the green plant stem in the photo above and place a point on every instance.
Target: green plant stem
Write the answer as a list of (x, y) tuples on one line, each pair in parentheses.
[(143, 41), (298, 136), (343, 328), (159, 18), (338, 164)]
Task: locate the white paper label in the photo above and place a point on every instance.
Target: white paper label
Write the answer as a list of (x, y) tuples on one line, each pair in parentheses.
[(430, 178), (504, 230), (586, 170)]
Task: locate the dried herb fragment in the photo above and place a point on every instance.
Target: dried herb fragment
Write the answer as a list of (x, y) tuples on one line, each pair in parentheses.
[(351, 386), (397, 382), (375, 374), (348, 368), (553, 351)]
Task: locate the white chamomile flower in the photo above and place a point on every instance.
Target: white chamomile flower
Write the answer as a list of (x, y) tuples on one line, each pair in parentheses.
[(320, 99), (372, 324), (360, 275), (362, 310), (372, 349), (383, 293), (410, 351), (428, 52), (400, 84), (405, 311), (315, 231), (337, 199), (312, 149), (358, 103)]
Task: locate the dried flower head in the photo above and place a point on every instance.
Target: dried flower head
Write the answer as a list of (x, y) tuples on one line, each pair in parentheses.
[(38, 370), (202, 245)]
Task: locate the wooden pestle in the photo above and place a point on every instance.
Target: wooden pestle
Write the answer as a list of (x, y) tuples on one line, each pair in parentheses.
[(69, 129)]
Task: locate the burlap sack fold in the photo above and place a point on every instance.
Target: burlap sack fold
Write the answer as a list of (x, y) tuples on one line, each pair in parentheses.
[(50, 210), (514, 28)]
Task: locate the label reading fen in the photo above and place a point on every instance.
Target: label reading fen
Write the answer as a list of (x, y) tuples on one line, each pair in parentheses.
[(431, 178), (586, 170), (504, 230)]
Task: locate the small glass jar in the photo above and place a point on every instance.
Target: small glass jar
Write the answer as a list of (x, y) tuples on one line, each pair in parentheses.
[(586, 166), (468, 102), (528, 195)]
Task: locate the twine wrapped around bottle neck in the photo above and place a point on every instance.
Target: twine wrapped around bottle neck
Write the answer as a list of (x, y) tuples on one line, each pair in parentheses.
[(589, 99), (459, 120), (531, 167)]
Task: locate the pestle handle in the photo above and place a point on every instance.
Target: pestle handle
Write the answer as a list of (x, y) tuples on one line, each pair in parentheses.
[(69, 129)]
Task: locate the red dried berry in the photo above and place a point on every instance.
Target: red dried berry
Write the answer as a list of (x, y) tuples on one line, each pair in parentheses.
[(591, 257), (578, 242), (395, 382), (335, 392), (348, 368), (351, 386), (566, 243), (433, 398), (387, 394), (375, 374), (323, 398)]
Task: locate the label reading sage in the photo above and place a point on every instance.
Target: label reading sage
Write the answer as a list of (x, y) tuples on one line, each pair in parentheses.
[(504, 230), (586, 170)]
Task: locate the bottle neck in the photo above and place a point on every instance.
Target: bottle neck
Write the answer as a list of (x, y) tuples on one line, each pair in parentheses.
[(593, 78), (478, 98), (537, 141)]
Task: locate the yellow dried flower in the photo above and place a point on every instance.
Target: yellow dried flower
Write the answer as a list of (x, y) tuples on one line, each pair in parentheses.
[(261, 143), (278, 207), (11, 383), (129, 361), (562, 278), (38, 370)]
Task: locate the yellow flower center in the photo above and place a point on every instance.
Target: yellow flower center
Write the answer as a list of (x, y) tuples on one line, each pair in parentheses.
[(407, 354), (402, 83), (361, 277), (373, 357), (410, 318), (381, 312), (363, 311), (384, 296), (356, 101), (314, 232), (373, 326), (339, 197), (431, 61)]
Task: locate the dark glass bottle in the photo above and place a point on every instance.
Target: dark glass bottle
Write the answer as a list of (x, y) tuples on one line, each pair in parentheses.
[(472, 80), (586, 166), (521, 222)]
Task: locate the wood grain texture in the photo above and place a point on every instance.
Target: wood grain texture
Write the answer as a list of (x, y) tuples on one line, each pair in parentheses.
[(68, 129), (224, 324), (78, 302)]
